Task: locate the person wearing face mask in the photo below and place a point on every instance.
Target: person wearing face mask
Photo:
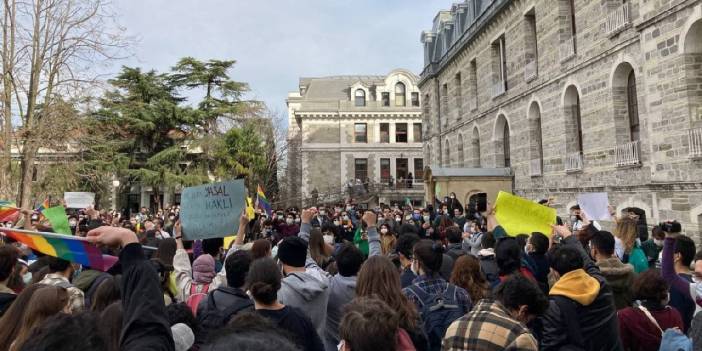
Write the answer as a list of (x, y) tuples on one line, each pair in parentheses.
[(619, 275), (653, 246), (517, 302), (387, 239), (289, 227), (321, 219), (452, 204), (641, 326), (60, 273), (683, 256)]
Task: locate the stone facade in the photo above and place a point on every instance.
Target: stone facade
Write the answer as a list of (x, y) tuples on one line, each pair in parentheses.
[(575, 96), (327, 145)]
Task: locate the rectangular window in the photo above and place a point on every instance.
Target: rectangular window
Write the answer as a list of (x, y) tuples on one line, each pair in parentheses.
[(444, 104), (384, 132), (360, 169), (499, 67), (415, 99), (418, 169), (385, 170), (386, 99), (530, 46), (360, 131), (401, 169), (457, 82), (417, 132), (401, 132), (473, 85)]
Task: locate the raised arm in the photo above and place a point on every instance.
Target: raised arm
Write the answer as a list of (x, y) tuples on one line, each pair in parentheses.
[(181, 265), (144, 325), (668, 269), (221, 277), (374, 247)]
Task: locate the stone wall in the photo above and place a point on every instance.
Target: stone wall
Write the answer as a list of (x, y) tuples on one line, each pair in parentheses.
[(660, 44)]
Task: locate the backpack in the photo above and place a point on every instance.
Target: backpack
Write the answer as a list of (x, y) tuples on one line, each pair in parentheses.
[(438, 312), (672, 339), (195, 297), (212, 318)]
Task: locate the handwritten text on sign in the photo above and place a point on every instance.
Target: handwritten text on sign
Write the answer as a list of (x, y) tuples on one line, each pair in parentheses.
[(212, 210)]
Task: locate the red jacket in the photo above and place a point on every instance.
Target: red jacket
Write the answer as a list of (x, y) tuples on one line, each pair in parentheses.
[(639, 333)]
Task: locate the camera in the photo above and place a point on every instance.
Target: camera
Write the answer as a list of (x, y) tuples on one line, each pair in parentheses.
[(670, 227)]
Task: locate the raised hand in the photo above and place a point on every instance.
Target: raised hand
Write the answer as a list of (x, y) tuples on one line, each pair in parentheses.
[(370, 218), (111, 236)]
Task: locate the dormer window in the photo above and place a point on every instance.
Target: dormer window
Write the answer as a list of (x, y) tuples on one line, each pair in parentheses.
[(400, 94), (360, 97)]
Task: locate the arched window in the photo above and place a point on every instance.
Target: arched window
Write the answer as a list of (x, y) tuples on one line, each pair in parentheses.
[(505, 145), (447, 155), (475, 147), (535, 145), (501, 138), (573, 129), (360, 97), (461, 153), (633, 107), (400, 94)]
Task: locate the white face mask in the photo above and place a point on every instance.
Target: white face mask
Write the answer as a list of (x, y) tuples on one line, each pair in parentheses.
[(289, 221), (384, 230), (399, 219), (414, 267), (346, 218), (329, 239), (27, 278), (297, 220), (427, 218), (658, 242), (336, 222), (322, 212)]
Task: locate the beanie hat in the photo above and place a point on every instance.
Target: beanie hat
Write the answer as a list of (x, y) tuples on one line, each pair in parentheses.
[(182, 336), (292, 251), (204, 269)]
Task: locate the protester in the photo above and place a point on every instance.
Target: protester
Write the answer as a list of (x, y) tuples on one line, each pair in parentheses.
[(60, 271), (473, 238), (106, 293), (466, 274), (653, 246), (8, 259), (379, 278), (194, 280), (581, 312), (44, 303), (261, 248), (499, 324), (619, 275), (508, 256), (641, 326), (404, 246), (369, 324), (454, 235), (537, 246), (429, 287), (488, 263), (387, 239), (14, 314), (250, 331), (683, 255), (342, 288), (319, 250), (264, 283)]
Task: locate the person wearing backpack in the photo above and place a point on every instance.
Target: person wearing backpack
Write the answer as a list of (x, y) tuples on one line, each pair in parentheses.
[(192, 282), (221, 304), (517, 301), (641, 327), (439, 302)]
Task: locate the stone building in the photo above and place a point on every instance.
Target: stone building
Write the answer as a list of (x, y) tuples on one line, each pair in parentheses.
[(345, 129), (574, 96)]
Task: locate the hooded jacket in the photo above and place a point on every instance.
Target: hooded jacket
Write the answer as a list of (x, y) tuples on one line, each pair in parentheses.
[(619, 276), (309, 292), (488, 265), (342, 291), (594, 306)]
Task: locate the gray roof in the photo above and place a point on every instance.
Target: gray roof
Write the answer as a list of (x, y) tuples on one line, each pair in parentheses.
[(335, 87), (470, 172)]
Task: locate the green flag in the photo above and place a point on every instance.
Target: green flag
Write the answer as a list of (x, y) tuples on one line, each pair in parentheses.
[(58, 219), (360, 243)]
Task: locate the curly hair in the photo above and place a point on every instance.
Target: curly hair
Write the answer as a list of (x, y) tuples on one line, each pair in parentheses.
[(467, 275), (626, 232)]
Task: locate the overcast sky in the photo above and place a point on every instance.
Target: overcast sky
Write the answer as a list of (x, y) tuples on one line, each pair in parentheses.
[(277, 41)]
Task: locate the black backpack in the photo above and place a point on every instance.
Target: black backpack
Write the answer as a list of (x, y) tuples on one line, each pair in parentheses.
[(439, 311), (212, 318)]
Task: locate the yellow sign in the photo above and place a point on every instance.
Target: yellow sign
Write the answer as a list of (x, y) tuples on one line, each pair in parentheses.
[(228, 241), (249, 209), (521, 216)]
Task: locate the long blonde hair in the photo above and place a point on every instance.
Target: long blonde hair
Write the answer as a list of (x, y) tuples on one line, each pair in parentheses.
[(626, 232)]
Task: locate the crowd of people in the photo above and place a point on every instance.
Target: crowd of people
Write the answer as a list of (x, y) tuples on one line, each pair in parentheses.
[(339, 277)]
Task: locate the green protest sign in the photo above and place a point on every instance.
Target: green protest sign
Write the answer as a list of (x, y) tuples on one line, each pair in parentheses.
[(212, 210)]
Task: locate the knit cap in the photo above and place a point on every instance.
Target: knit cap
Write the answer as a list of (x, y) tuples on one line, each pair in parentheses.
[(204, 269)]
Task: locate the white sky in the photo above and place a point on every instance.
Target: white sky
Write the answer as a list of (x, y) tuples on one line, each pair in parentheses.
[(277, 41)]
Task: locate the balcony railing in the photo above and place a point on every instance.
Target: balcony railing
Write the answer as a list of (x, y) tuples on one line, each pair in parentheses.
[(530, 71), (627, 154), (402, 184), (498, 89), (567, 49), (535, 167), (695, 142), (617, 20), (574, 162)]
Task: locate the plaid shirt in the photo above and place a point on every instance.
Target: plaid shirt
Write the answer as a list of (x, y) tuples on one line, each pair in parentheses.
[(488, 327), (435, 286), (76, 298)]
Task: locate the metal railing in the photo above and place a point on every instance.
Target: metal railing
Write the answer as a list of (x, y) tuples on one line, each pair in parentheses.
[(574, 162), (535, 167), (695, 142), (498, 89), (567, 49), (617, 20), (627, 154), (530, 70), (395, 184)]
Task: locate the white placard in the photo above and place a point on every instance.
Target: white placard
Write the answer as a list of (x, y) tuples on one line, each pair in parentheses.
[(595, 205), (79, 199)]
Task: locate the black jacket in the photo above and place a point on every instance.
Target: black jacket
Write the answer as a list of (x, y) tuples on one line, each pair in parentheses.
[(224, 298), (6, 300), (144, 325), (597, 321)]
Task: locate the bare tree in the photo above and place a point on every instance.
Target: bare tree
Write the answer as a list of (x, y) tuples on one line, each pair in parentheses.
[(49, 56)]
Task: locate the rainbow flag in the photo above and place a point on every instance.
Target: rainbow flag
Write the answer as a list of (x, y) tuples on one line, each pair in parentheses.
[(43, 206), (70, 248), (262, 201), (8, 211)]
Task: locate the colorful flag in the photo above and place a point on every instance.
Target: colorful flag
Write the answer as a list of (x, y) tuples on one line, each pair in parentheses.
[(70, 248), (8, 211), (262, 202), (58, 219), (43, 206)]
